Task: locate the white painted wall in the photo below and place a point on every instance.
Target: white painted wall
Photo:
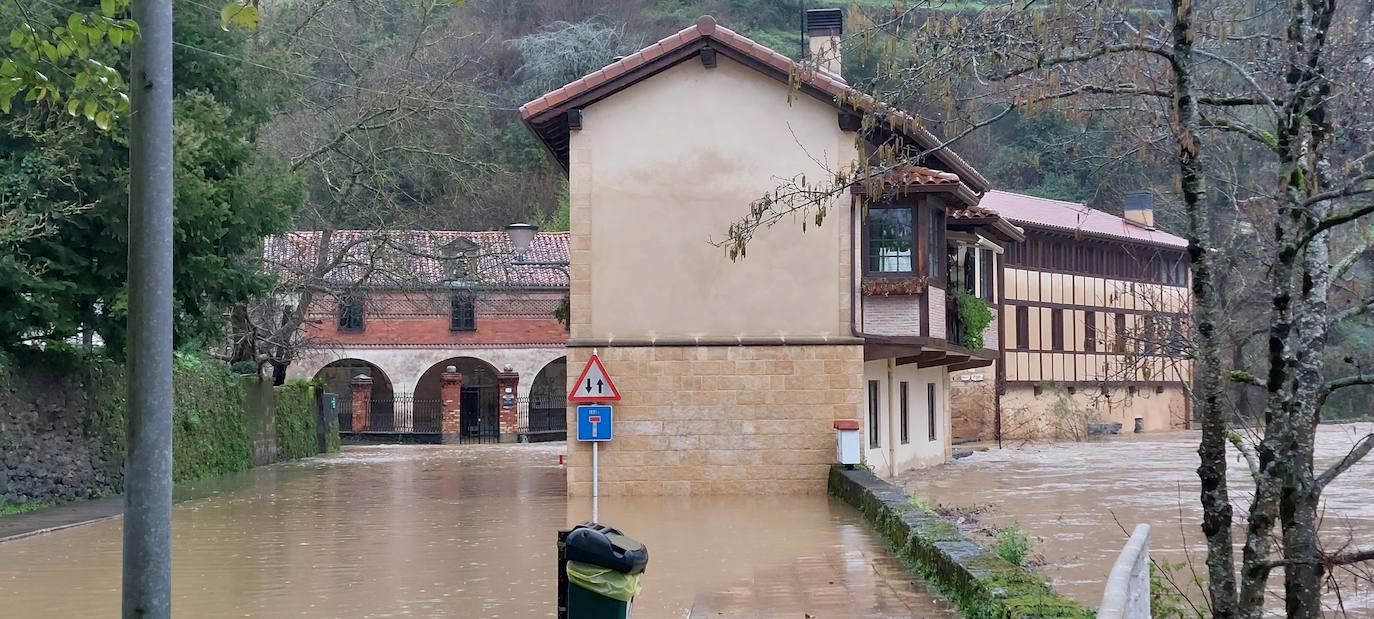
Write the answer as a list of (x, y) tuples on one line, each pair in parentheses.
[(892, 456)]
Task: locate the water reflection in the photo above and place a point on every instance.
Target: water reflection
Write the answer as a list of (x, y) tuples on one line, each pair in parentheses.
[(462, 532)]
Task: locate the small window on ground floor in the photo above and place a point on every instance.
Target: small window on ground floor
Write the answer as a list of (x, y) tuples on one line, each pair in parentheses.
[(903, 392), (873, 391), (930, 410)]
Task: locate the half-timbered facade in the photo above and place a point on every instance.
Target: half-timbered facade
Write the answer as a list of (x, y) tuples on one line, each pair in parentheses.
[(1094, 320)]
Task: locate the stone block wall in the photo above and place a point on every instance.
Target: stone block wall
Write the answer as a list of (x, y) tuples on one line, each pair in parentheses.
[(49, 449), (720, 419)]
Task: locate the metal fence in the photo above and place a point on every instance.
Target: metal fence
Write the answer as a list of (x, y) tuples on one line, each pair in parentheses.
[(541, 418), (399, 414), (1128, 587)]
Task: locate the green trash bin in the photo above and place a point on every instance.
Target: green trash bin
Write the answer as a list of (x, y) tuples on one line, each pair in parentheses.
[(596, 592), (599, 572)]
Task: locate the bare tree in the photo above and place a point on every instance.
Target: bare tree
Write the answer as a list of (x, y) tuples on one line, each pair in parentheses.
[(379, 132), (1278, 82)]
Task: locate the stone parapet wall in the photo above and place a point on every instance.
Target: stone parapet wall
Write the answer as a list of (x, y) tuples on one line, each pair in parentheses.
[(980, 583), (720, 419)]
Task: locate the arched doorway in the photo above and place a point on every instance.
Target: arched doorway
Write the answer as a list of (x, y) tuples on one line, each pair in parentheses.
[(546, 410), (338, 378), (479, 414)]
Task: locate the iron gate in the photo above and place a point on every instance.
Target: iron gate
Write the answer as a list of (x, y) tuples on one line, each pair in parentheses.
[(403, 414), (479, 416)]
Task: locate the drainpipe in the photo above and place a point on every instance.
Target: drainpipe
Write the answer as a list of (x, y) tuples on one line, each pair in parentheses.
[(855, 295), (891, 419)]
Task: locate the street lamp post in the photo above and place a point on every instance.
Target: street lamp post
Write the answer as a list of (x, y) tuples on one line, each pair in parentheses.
[(521, 236)]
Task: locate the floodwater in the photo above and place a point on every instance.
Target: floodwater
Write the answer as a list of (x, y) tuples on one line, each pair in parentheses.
[(464, 531), (1070, 498)]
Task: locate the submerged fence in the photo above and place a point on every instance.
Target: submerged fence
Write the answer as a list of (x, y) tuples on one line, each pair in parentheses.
[(400, 413), (1128, 587), (541, 418)]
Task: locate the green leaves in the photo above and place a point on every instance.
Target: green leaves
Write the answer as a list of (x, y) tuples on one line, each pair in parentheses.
[(241, 13), (70, 50)]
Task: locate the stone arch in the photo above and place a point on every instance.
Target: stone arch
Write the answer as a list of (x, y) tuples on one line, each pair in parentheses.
[(337, 375), (477, 374), (548, 412)]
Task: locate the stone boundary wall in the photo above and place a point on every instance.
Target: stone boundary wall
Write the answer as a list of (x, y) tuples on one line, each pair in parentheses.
[(62, 424), (981, 584)]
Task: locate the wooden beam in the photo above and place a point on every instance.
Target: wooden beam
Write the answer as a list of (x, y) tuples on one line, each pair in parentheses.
[(708, 57), (947, 359), (968, 365), (929, 355)]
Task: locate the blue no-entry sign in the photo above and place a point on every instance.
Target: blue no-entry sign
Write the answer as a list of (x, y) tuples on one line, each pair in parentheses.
[(594, 422)]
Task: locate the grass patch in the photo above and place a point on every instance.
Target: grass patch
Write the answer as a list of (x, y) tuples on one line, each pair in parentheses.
[(23, 508), (1013, 545)]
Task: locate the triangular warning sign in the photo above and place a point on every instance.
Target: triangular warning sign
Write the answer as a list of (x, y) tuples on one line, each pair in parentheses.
[(594, 385)]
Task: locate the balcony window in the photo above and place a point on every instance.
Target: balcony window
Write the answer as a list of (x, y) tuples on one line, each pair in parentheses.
[(935, 242), (890, 232)]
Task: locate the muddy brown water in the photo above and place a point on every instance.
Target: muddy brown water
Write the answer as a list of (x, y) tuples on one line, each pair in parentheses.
[(465, 531), (1070, 497)]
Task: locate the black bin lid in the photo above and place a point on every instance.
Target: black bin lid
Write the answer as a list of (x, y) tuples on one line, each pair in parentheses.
[(606, 547)]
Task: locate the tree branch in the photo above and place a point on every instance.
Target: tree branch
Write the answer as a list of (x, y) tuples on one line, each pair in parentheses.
[(1250, 458), (1350, 557), (1349, 215), (1357, 452)]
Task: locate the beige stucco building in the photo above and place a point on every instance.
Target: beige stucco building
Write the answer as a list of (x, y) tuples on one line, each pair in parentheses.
[(733, 373)]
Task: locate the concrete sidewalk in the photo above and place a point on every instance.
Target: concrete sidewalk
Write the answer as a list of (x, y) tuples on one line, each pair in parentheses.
[(60, 517)]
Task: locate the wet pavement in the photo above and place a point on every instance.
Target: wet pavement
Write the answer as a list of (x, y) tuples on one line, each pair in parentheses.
[(464, 531), (1070, 497)]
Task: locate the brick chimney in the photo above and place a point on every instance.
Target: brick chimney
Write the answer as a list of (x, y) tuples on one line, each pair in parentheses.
[(823, 30), (1140, 209)]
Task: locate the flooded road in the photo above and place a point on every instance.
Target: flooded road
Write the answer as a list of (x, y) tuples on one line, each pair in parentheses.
[(1070, 497), (464, 531)]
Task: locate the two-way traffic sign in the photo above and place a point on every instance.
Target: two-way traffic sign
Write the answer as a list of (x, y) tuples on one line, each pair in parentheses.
[(594, 385)]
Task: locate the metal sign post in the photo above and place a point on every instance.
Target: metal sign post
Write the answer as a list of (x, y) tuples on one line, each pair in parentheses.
[(595, 424), (594, 421)]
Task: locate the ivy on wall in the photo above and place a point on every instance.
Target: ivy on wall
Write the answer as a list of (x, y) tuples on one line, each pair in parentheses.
[(974, 315), (296, 420), (212, 433)]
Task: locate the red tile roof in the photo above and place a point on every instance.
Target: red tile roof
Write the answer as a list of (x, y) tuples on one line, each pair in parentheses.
[(1072, 217), (707, 30), (418, 258), (906, 175)]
